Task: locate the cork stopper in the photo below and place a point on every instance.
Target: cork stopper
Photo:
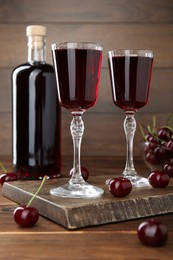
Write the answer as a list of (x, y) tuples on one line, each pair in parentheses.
[(38, 30)]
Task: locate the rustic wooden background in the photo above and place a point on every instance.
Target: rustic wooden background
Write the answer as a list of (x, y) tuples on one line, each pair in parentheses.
[(136, 24)]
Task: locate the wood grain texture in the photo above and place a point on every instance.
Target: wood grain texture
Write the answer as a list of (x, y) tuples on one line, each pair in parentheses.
[(99, 11), (123, 36), (103, 135), (114, 23), (97, 165), (80, 245), (49, 240), (77, 213)]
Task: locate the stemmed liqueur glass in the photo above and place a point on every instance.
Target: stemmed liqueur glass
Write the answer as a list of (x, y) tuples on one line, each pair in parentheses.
[(77, 68), (130, 73)]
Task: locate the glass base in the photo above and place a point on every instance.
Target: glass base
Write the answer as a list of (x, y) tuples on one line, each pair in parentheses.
[(137, 181), (83, 191)]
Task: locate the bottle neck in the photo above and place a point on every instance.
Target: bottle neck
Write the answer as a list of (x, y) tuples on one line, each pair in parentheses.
[(36, 49)]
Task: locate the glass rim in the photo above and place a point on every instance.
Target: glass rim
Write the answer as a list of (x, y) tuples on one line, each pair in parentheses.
[(131, 52), (77, 45)]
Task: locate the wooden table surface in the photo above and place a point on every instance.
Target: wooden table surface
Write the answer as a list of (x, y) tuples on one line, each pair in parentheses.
[(48, 240)]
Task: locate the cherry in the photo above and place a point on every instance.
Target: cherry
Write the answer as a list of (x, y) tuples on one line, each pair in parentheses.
[(170, 145), (7, 177), (84, 172), (152, 233), (151, 158), (120, 186), (158, 144), (168, 168), (158, 179), (169, 160), (160, 154), (164, 133), (150, 138), (153, 145), (26, 216), (150, 146)]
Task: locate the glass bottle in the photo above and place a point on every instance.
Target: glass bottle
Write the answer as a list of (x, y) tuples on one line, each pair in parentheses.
[(36, 114)]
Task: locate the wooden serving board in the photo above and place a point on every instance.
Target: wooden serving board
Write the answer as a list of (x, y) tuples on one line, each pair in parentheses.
[(78, 213)]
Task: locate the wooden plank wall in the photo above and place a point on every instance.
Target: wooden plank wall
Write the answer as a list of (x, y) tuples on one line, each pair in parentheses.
[(132, 24)]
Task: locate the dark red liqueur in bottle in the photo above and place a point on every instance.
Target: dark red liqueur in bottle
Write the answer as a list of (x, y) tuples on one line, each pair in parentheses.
[(36, 121), (131, 81)]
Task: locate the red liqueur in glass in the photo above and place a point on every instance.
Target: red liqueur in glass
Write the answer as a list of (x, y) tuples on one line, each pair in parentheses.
[(131, 82), (78, 74), (130, 74)]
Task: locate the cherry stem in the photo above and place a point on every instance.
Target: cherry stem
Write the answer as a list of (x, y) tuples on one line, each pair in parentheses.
[(142, 132), (168, 127), (2, 166), (41, 185), (170, 120), (154, 125)]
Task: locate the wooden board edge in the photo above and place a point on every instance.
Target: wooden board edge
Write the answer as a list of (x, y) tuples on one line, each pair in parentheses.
[(22, 197), (95, 213)]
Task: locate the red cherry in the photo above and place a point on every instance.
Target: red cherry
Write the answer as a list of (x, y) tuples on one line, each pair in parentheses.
[(150, 146), (84, 172), (168, 168), (26, 216), (160, 154), (164, 133), (151, 158), (152, 233), (158, 179), (170, 145), (120, 186), (153, 145), (169, 160), (7, 177), (150, 138)]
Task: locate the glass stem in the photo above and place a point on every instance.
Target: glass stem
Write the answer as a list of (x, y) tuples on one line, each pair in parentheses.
[(129, 128), (77, 129)]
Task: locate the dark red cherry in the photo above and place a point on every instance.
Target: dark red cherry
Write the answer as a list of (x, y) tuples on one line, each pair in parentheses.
[(169, 160), (160, 154), (7, 177), (26, 216), (158, 179), (84, 172), (146, 147), (152, 233), (150, 146), (153, 145), (150, 138), (168, 168), (170, 145), (164, 134), (151, 158), (120, 186)]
